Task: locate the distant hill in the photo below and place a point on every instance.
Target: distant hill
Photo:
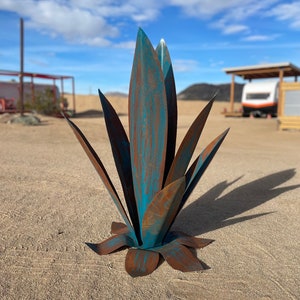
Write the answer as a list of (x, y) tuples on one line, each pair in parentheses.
[(204, 91)]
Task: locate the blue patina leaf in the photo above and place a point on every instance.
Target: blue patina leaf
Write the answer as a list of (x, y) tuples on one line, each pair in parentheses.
[(187, 240), (98, 165), (121, 152), (187, 146), (198, 167), (147, 123), (161, 213), (141, 262), (201, 163), (112, 244), (167, 69), (180, 257)]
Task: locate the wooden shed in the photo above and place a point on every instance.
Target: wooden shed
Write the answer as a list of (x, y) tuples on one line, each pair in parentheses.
[(289, 92)]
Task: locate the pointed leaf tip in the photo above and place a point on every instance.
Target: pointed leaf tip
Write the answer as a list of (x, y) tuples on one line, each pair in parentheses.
[(141, 33), (112, 244), (167, 69)]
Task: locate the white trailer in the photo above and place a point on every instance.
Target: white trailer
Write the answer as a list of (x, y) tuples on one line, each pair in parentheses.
[(260, 98)]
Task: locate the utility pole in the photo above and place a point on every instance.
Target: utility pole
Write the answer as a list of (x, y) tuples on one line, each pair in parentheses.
[(21, 66)]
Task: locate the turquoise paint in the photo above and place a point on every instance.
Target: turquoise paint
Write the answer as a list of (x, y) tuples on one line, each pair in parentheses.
[(148, 123), (161, 213), (166, 65)]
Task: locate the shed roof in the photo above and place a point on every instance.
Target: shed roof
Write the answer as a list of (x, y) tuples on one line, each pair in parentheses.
[(265, 70), (34, 75), (44, 76)]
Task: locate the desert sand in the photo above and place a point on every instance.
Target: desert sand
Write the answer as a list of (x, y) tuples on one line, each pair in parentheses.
[(52, 202)]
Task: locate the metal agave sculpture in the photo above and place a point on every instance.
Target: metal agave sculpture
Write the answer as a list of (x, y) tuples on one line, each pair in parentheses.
[(156, 182)]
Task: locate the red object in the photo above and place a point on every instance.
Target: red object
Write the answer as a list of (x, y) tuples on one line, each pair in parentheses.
[(7, 105)]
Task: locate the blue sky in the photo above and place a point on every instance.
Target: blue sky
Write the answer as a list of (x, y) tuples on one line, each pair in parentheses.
[(94, 40)]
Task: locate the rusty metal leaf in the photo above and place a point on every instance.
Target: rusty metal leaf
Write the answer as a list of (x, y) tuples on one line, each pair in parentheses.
[(167, 69), (112, 244), (187, 240), (180, 257), (121, 152), (118, 228), (161, 212), (194, 242), (147, 123), (201, 163), (101, 171), (187, 146), (141, 262)]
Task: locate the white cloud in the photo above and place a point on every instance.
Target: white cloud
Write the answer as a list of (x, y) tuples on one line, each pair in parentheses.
[(185, 65), (241, 11), (235, 28), (205, 8), (126, 45), (100, 22), (230, 9), (215, 64), (88, 22), (260, 38), (229, 16), (229, 28), (59, 18), (234, 20), (288, 12)]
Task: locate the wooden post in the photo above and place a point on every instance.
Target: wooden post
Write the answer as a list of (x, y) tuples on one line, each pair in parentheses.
[(61, 95), (32, 89), (54, 92), (21, 67), (280, 95), (232, 94), (62, 88), (73, 93)]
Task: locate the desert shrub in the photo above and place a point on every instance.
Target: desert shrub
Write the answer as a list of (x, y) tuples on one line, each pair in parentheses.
[(44, 103)]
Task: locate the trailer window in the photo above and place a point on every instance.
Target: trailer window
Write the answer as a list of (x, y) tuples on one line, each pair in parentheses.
[(257, 96)]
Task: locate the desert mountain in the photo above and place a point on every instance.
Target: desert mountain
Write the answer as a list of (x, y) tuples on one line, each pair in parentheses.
[(204, 91)]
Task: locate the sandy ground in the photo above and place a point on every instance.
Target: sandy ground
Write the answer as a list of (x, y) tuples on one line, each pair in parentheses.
[(52, 201)]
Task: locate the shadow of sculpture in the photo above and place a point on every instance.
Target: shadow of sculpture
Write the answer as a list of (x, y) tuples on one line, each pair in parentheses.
[(92, 113), (211, 211)]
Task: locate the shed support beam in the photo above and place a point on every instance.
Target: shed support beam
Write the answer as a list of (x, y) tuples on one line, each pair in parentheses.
[(62, 88), (280, 94), (32, 89), (232, 94), (73, 93), (21, 74)]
